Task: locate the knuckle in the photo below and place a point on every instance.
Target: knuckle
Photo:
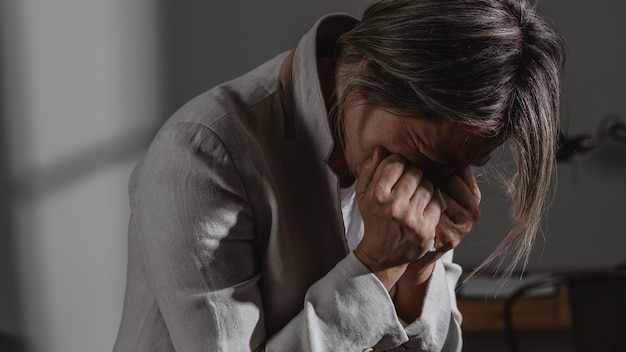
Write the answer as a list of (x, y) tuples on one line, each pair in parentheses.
[(426, 184), (396, 211), (379, 193), (392, 164), (465, 228), (416, 172), (412, 223)]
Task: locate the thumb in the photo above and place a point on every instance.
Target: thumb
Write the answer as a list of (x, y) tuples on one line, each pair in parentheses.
[(369, 168)]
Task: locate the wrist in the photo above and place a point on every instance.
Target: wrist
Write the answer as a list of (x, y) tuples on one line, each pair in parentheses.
[(411, 292), (418, 275), (388, 276)]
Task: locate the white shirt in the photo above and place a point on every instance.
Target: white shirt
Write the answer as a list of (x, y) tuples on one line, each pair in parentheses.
[(352, 220)]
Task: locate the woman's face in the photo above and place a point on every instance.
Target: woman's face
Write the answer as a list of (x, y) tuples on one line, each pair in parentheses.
[(438, 148)]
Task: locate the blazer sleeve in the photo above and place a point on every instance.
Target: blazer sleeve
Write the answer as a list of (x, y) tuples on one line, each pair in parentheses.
[(192, 220), (198, 231), (439, 326)]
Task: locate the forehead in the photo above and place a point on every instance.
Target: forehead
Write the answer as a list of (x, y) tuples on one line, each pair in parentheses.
[(453, 143)]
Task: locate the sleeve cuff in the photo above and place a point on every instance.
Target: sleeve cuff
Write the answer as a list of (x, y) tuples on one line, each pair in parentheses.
[(430, 331), (352, 300)]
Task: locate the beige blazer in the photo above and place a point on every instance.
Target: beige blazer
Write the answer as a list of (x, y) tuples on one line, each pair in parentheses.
[(236, 239)]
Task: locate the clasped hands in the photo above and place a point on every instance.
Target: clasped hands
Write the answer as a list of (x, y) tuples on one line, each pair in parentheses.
[(403, 217)]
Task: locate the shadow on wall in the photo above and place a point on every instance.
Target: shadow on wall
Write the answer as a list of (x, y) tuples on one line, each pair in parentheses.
[(24, 297), (10, 344)]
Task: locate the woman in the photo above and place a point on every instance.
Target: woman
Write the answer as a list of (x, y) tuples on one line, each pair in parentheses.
[(313, 204)]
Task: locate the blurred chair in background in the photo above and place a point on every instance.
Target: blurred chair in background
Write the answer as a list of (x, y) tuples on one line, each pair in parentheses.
[(597, 301)]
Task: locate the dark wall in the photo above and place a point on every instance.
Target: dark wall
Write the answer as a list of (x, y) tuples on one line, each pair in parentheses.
[(205, 43)]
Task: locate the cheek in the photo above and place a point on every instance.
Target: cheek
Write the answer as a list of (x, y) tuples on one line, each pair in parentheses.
[(357, 158), (353, 158)]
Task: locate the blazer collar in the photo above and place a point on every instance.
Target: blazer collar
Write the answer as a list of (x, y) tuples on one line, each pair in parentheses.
[(310, 114)]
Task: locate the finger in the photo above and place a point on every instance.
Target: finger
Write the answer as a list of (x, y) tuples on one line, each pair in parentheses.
[(439, 196), (429, 206), (449, 234), (386, 176), (453, 209), (367, 172), (433, 210), (464, 216), (466, 174), (457, 188), (407, 184), (423, 196)]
